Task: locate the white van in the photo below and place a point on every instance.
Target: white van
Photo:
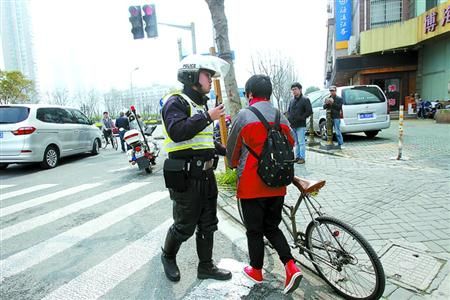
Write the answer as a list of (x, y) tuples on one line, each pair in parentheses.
[(44, 133), (365, 109)]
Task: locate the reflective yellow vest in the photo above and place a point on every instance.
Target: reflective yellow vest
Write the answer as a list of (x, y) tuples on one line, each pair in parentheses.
[(202, 140)]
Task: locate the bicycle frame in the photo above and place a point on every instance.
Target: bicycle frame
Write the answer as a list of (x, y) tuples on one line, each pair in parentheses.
[(299, 236)]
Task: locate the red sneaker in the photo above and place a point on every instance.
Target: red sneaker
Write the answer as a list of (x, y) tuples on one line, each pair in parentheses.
[(253, 274), (293, 277)]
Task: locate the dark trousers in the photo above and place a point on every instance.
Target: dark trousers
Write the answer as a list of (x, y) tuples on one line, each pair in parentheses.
[(195, 208), (262, 216), (122, 141)]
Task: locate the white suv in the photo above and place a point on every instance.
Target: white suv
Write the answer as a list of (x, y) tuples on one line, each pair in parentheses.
[(365, 109), (44, 133)]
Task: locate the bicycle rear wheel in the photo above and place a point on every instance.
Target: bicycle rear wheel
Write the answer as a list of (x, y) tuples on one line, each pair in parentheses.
[(115, 145), (357, 272)]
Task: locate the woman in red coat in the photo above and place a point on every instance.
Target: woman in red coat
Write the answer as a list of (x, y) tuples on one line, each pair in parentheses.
[(261, 204)]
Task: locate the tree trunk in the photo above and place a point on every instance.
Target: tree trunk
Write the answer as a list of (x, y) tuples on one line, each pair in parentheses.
[(217, 9)]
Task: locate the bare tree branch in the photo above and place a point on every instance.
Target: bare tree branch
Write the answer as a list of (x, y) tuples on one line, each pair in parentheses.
[(281, 70), (59, 96)]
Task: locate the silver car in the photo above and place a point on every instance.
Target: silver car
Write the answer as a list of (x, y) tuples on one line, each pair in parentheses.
[(365, 109), (44, 133)]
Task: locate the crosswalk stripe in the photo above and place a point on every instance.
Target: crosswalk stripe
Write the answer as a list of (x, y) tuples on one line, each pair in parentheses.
[(236, 288), (102, 278), (4, 186), (30, 224), (118, 170), (34, 255), (4, 211), (25, 191), (239, 285)]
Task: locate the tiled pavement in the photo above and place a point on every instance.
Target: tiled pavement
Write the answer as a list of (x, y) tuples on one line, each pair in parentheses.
[(394, 204)]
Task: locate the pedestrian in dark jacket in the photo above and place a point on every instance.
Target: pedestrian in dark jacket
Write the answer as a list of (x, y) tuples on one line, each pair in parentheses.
[(189, 171), (299, 110), (261, 204), (334, 102), (124, 123)]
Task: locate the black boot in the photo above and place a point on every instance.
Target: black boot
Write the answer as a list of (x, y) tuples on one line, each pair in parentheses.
[(168, 257), (206, 268)]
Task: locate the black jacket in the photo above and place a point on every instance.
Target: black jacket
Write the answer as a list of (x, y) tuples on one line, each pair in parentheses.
[(299, 110), (336, 107), (181, 127), (123, 122)]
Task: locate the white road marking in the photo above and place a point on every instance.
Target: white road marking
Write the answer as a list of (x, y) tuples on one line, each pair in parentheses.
[(5, 186), (25, 191), (118, 170), (34, 255), (97, 281), (234, 289), (4, 211), (102, 278), (239, 285), (30, 224)]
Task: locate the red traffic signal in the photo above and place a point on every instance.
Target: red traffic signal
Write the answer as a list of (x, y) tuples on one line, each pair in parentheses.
[(136, 22), (151, 25)]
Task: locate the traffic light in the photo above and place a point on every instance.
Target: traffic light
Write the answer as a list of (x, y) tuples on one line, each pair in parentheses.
[(136, 22), (151, 26)]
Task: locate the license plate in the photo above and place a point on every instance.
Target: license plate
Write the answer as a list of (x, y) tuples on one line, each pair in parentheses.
[(1, 134), (366, 116)]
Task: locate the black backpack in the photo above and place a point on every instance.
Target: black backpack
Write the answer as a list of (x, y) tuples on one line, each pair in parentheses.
[(276, 163)]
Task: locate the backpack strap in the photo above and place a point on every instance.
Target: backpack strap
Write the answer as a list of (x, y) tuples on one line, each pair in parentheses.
[(266, 124), (251, 151), (260, 117), (276, 124)]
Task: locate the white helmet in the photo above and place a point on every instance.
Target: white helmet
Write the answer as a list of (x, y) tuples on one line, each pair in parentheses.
[(190, 66)]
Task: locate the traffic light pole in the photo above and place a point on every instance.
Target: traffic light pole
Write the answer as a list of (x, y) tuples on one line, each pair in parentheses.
[(131, 84), (190, 27)]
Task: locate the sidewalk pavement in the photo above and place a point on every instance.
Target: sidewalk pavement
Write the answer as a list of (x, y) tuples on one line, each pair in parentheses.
[(400, 206)]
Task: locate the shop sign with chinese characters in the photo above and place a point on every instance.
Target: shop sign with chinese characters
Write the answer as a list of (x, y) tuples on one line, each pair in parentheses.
[(435, 22), (343, 16)]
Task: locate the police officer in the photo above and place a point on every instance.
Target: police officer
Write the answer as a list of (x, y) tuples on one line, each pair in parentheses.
[(189, 169)]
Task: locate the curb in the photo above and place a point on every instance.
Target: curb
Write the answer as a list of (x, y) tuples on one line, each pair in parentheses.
[(329, 152)]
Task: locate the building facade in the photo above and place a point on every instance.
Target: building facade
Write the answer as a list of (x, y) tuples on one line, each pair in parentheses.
[(403, 46), (146, 100), (16, 36)]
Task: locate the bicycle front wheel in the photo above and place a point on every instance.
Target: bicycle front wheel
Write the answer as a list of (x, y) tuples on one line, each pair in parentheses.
[(344, 259)]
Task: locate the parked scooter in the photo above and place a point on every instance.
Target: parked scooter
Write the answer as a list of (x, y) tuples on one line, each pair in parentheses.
[(425, 110), (144, 150)]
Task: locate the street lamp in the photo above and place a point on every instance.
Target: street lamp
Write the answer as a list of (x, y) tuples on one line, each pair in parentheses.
[(131, 84)]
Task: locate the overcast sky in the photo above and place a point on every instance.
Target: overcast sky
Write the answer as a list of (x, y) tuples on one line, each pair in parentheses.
[(88, 44)]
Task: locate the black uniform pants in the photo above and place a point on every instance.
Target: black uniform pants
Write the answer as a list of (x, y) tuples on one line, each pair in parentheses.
[(195, 208), (262, 216)]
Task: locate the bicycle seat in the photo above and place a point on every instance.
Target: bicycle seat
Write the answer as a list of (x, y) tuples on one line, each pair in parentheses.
[(308, 186)]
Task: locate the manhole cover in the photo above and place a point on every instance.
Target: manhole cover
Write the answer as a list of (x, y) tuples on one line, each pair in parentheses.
[(410, 267)]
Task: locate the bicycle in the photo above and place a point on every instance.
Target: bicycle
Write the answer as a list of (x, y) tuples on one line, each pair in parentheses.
[(330, 244), (112, 138)]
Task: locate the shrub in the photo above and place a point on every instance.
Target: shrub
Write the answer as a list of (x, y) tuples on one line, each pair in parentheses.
[(227, 178)]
